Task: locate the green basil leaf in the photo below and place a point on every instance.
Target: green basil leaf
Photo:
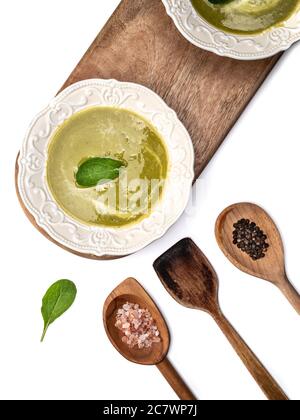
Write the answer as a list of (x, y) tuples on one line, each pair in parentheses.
[(57, 300), (96, 170)]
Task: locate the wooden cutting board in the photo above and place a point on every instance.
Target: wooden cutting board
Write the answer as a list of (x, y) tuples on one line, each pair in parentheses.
[(141, 44)]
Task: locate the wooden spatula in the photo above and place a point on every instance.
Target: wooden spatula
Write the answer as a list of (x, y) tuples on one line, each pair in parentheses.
[(272, 266), (131, 291), (191, 280)]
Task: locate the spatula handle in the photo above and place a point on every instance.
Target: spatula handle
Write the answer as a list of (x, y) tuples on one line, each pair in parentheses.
[(290, 293), (176, 382), (266, 382)]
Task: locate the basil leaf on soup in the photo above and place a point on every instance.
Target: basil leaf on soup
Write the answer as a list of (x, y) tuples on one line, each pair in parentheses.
[(57, 300), (94, 171)]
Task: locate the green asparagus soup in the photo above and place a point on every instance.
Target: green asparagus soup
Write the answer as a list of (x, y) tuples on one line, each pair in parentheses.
[(109, 135), (245, 16)]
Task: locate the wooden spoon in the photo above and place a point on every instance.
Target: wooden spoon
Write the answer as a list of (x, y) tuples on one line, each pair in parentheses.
[(272, 266), (131, 291), (191, 280)]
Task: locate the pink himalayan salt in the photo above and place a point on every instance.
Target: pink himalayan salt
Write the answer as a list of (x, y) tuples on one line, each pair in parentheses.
[(137, 325)]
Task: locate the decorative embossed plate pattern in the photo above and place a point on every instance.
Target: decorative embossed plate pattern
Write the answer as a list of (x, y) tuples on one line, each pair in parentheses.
[(101, 241), (242, 47)]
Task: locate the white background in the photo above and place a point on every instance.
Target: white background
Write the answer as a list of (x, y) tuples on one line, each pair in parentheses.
[(40, 44)]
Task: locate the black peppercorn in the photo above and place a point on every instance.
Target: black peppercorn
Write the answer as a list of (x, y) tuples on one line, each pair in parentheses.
[(249, 238)]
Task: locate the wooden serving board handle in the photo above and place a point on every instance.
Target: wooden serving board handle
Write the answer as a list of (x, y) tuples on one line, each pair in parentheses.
[(175, 380), (267, 383)]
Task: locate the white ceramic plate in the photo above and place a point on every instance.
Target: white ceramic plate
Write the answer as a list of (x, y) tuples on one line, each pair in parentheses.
[(242, 47), (101, 241)]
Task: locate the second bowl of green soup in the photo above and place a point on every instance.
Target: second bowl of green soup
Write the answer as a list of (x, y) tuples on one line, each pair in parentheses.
[(242, 29), (246, 17), (106, 168)]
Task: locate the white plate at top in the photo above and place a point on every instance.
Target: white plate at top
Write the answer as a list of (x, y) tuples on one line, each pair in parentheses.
[(93, 240), (243, 47)]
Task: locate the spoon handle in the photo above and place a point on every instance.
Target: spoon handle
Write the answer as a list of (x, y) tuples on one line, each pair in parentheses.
[(266, 382), (176, 382), (290, 293)]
